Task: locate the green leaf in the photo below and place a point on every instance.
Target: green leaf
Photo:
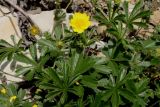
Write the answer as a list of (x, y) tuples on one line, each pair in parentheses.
[(48, 86), (13, 39), (21, 94), (58, 31), (130, 85), (33, 51), (140, 24), (125, 5), (27, 104), (107, 95), (155, 61), (29, 75), (114, 67), (122, 74), (136, 8), (89, 81), (3, 56), (103, 82), (74, 79), (83, 64), (102, 69), (120, 17), (47, 43), (52, 94), (24, 59), (142, 85), (63, 97), (145, 63), (115, 99), (149, 44), (43, 60), (127, 94), (77, 90), (23, 70), (54, 76), (113, 32), (141, 15), (4, 43)]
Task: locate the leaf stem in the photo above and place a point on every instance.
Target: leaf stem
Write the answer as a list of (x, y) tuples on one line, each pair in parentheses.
[(68, 4)]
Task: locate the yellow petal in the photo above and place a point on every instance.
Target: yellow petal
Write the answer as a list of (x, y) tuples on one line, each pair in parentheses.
[(80, 22)]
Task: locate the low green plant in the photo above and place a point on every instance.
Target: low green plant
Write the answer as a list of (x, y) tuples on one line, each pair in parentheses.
[(61, 69)]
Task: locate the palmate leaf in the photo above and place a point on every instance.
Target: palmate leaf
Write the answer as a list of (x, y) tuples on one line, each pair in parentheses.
[(4, 43), (96, 101), (24, 59), (77, 90), (52, 74), (115, 99), (107, 95), (89, 81), (7, 50), (52, 94), (47, 43), (102, 69), (48, 86), (29, 75), (21, 94), (148, 44), (130, 85), (83, 64), (79, 64), (3, 56), (100, 17), (137, 8), (141, 24), (23, 70), (63, 78), (43, 60), (125, 6), (128, 95), (141, 15), (137, 14)]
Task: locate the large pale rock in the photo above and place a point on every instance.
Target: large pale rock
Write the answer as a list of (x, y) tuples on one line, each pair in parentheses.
[(8, 27), (45, 20)]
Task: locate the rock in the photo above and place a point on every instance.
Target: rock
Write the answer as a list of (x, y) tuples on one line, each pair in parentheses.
[(9, 72), (44, 20), (155, 18), (8, 27), (3, 10), (37, 11)]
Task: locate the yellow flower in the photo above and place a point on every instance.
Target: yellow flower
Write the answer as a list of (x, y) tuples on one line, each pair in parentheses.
[(34, 30), (3, 90), (80, 22), (35, 105), (12, 98)]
